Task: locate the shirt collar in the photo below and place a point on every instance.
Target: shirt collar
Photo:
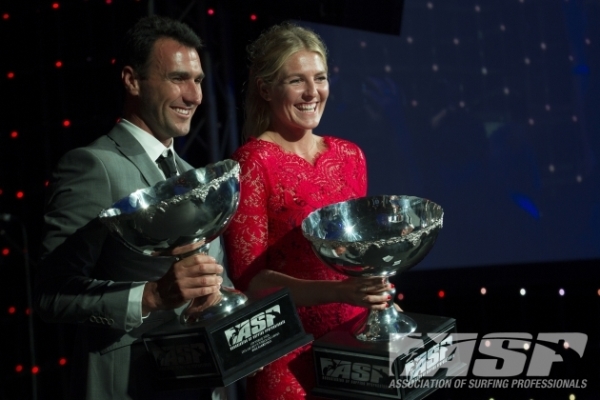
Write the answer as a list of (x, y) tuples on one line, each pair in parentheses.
[(153, 147)]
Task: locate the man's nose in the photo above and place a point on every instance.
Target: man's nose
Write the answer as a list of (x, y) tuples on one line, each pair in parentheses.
[(193, 94)]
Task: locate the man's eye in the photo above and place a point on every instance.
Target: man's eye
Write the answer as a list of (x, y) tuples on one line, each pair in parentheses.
[(322, 78)]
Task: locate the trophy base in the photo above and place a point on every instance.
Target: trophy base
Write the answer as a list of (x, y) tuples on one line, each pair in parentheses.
[(222, 350), (348, 368)]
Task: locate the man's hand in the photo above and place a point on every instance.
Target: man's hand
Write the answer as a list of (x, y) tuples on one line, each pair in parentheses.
[(193, 276)]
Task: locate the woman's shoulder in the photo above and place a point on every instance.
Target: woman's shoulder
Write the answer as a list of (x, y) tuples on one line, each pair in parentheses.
[(342, 145), (253, 149)]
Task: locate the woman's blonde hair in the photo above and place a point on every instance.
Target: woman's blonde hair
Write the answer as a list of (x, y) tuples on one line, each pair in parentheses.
[(267, 54)]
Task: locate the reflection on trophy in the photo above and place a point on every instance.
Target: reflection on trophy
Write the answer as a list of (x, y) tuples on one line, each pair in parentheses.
[(377, 236), (194, 207), (222, 337)]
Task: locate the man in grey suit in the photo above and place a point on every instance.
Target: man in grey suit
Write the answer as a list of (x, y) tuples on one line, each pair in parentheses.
[(89, 278)]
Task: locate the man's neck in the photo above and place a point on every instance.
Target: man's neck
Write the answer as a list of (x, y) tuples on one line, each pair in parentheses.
[(136, 120)]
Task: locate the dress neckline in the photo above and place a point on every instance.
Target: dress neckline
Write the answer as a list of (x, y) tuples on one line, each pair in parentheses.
[(318, 155)]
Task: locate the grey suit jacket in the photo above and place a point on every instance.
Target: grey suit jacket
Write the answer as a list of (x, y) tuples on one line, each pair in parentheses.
[(85, 274)]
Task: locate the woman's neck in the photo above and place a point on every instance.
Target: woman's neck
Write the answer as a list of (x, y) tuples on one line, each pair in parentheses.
[(306, 146)]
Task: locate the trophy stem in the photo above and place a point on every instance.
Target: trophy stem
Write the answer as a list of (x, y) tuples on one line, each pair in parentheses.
[(384, 325), (213, 305)]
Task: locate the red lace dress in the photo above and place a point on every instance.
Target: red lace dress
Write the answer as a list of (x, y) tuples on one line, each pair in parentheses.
[(278, 190)]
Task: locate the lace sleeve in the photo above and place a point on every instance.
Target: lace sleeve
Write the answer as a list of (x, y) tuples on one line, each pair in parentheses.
[(246, 237), (361, 173), (355, 167)]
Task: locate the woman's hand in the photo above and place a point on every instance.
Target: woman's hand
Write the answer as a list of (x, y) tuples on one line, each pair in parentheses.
[(372, 293)]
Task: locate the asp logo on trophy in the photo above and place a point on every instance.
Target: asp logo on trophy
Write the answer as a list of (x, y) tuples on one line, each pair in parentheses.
[(182, 354), (254, 328)]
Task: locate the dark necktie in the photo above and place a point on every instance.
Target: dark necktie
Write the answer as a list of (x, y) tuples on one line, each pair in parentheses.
[(167, 164)]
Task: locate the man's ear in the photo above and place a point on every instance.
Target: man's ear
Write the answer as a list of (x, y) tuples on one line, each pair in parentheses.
[(130, 80), (263, 89)]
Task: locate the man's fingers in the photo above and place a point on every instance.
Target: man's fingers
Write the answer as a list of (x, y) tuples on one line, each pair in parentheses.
[(193, 292), (186, 248), (203, 281), (197, 259), (199, 265)]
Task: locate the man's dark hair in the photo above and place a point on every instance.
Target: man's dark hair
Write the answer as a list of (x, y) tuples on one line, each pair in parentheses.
[(142, 36)]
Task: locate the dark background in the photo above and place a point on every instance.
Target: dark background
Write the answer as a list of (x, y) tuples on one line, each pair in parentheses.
[(489, 108)]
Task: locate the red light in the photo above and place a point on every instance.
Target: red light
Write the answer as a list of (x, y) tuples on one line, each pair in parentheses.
[(12, 309), (5, 251), (108, 1), (47, 183), (20, 194), (55, 6), (113, 61), (27, 311), (62, 361), (400, 296), (58, 64), (5, 16), (441, 294), (66, 123), (10, 75), (253, 17), (19, 368), (14, 134), (35, 369), (210, 11)]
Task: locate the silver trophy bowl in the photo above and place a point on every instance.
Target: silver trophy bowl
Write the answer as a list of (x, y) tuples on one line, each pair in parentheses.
[(194, 207), (378, 236)]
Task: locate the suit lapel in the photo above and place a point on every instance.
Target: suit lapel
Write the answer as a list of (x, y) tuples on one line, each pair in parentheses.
[(132, 149), (182, 165)]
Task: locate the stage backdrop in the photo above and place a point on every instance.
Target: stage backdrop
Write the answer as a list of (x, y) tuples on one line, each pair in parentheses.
[(488, 109)]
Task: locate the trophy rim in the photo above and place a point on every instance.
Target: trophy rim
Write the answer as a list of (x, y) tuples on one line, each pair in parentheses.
[(115, 212), (410, 237)]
